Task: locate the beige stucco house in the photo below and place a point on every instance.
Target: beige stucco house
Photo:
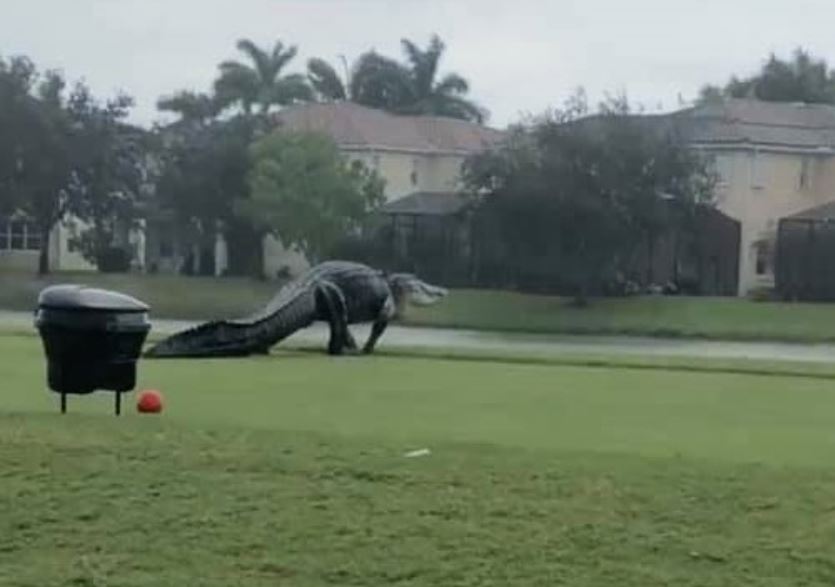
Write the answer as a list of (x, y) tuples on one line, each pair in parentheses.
[(419, 157), (773, 160)]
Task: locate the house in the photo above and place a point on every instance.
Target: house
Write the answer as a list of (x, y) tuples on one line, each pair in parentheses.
[(774, 160), (419, 157), (20, 244)]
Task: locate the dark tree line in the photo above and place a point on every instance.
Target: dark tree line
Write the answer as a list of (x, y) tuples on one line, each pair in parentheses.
[(802, 78), (66, 154), (572, 195)]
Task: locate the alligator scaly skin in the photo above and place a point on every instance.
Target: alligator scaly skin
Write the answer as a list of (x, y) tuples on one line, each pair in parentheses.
[(363, 290)]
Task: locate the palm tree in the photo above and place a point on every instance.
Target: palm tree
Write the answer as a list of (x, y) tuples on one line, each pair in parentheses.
[(444, 97), (411, 88), (262, 82), (327, 84), (374, 81)]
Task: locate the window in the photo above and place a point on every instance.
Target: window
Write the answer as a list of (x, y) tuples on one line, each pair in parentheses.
[(764, 258), (33, 239), (723, 167), (805, 179), (414, 175), (17, 234)]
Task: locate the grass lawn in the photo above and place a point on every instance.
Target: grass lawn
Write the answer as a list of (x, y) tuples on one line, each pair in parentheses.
[(170, 296), (289, 469), (718, 318), (666, 316)]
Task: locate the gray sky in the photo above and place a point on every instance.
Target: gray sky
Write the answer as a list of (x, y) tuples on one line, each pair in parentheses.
[(520, 56)]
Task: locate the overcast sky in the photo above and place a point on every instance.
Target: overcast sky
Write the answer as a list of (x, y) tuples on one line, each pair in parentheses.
[(520, 56)]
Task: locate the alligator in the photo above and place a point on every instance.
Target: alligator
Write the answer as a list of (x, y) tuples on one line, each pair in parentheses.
[(337, 292)]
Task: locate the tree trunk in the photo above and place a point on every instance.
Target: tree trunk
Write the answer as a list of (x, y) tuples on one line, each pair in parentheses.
[(245, 249), (43, 257)]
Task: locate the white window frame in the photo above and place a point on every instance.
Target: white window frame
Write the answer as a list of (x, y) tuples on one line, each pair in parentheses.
[(30, 238)]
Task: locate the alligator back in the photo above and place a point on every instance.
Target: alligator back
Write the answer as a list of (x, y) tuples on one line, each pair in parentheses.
[(293, 308)]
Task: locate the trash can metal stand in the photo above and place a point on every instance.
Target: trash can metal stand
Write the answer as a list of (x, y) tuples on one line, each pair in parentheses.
[(92, 339)]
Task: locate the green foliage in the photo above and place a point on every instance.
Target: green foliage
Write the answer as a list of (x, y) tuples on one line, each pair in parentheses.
[(36, 147), (62, 154), (325, 81), (570, 194), (17, 79), (110, 172), (202, 177), (203, 172), (304, 192), (191, 107), (262, 82), (429, 95), (802, 78)]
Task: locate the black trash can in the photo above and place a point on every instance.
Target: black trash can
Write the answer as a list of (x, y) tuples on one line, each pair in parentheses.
[(92, 339)]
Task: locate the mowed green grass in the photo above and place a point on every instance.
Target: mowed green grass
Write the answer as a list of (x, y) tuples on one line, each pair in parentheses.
[(289, 469), (170, 296), (664, 316)]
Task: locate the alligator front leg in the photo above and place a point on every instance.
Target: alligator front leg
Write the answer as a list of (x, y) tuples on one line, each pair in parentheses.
[(377, 331), (384, 315)]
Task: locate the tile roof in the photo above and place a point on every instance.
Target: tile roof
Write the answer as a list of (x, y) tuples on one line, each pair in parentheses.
[(823, 212), (352, 125), (743, 121)]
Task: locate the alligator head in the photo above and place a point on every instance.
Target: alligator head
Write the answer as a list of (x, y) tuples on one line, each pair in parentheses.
[(408, 288)]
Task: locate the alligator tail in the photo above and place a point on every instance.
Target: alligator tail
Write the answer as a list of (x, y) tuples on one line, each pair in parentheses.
[(289, 311)]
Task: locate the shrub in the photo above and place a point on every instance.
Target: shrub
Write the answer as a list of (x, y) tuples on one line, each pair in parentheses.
[(113, 260)]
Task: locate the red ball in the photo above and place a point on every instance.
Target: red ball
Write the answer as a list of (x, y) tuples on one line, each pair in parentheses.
[(149, 402)]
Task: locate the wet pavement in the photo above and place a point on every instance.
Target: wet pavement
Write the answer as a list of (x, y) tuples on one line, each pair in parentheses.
[(530, 344)]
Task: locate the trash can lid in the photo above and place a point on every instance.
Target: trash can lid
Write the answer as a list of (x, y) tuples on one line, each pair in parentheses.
[(79, 297)]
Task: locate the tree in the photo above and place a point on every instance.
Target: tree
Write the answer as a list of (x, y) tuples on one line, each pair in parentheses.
[(306, 194), (261, 83), (572, 194), (109, 170), (46, 167), (802, 78), (374, 81), (412, 87), (18, 76), (191, 107), (444, 97), (325, 81), (203, 176), (38, 148)]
